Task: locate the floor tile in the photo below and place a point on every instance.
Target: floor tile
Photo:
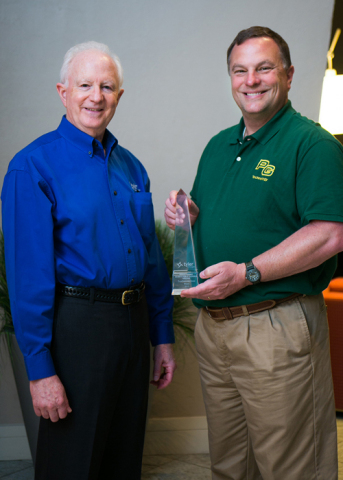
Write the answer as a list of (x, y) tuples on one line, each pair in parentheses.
[(157, 460), (13, 466), (175, 476), (201, 459), (179, 467), (27, 474), (152, 461)]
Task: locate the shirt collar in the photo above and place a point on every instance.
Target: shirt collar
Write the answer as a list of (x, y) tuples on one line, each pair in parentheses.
[(82, 140), (265, 133), (237, 133)]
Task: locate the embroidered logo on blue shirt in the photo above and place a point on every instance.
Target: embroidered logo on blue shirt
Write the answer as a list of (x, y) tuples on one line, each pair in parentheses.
[(134, 187)]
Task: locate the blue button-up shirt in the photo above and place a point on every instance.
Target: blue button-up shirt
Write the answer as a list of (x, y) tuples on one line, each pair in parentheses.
[(75, 215)]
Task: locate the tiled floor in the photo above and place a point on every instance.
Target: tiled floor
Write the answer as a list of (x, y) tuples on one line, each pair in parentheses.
[(159, 467), (176, 467), (17, 470)]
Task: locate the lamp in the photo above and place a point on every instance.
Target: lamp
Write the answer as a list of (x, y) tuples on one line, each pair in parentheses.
[(331, 105)]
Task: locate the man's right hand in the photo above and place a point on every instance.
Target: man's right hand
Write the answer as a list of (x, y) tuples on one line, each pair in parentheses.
[(170, 210), (49, 398)]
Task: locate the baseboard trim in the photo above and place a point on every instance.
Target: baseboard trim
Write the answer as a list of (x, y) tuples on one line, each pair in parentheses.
[(176, 435), (13, 443)]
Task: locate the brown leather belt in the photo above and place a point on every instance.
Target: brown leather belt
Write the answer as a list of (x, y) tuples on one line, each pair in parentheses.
[(228, 313)]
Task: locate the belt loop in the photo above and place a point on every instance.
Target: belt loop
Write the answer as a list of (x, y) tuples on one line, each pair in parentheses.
[(91, 295)]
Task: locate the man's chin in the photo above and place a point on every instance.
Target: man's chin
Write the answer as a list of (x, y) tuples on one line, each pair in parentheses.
[(93, 128)]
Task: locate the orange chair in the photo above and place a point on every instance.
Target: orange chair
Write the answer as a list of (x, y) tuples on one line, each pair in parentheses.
[(333, 296)]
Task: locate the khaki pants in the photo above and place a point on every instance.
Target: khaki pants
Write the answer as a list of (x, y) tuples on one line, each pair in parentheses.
[(267, 387)]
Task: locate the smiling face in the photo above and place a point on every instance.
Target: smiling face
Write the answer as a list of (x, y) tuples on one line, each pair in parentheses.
[(259, 81), (92, 94)]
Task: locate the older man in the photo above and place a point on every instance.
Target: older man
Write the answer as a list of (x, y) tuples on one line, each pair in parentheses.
[(87, 280), (267, 209)]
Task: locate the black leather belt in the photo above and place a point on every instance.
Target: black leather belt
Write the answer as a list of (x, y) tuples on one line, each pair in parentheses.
[(126, 297)]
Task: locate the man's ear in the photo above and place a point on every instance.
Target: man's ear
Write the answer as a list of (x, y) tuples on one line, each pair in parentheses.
[(62, 92), (121, 91), (290, 74)]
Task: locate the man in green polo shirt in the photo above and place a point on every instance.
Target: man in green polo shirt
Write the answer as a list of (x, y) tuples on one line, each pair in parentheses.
[(267, 210)]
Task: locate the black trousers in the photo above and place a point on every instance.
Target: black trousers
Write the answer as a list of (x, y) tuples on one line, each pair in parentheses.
[(101, 354)]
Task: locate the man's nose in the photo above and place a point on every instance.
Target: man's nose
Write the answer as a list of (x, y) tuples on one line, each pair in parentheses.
[(252, 78), (96, 94)]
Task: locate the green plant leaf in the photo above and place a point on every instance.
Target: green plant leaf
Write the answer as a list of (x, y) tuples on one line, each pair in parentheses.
[(6, 323)]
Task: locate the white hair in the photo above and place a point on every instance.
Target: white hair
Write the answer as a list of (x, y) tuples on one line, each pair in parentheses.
[(82, 47)]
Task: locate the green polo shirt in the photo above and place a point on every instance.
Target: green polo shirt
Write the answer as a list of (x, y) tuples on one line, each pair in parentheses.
[(254, 193)]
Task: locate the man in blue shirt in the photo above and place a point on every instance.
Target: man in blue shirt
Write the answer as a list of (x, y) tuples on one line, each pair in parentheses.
[(87, 280)]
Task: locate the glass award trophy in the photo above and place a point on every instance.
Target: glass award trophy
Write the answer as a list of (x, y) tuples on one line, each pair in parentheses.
[(185, 273)]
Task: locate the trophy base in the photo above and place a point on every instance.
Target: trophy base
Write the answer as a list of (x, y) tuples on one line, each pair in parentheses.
[(183, 280), (177, 291)]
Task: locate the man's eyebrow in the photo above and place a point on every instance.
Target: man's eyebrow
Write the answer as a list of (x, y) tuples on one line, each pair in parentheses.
[(82, 80), (86, 80), (237, 65), (263, 62)]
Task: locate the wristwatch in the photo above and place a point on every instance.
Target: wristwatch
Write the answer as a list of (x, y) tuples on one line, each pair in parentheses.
[(252, 274)]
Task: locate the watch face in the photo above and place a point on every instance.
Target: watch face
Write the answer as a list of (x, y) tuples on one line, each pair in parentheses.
[(253, 276)]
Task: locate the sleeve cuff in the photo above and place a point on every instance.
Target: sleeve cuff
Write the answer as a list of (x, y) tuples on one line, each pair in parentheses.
[(40, 366), (162, 333)]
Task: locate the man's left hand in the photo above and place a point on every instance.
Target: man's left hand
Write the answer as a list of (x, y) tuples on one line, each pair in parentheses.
[(224, 279), (164, 365)]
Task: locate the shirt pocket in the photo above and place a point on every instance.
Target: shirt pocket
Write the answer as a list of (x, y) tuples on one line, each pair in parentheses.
[(143, 213)]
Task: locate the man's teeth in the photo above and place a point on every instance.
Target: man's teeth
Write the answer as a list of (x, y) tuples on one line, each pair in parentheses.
[(253, 94)]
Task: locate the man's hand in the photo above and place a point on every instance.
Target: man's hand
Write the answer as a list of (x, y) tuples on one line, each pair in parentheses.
[(163, 359), (170, 210), (224, 279), (49, 398)]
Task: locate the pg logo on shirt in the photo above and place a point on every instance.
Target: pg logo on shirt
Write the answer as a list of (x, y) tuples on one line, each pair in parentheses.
[(267, 169)]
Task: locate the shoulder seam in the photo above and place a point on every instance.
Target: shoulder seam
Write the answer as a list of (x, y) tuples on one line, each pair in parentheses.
[(40, 145)]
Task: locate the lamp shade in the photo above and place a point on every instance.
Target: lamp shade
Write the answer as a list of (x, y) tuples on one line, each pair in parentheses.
[(331, 105)]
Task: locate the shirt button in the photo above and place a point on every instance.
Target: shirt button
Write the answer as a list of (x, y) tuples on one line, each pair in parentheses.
[(238, 159), (90, 153), (132, 280), (115, 192), (122, 222), (129, 250), (248, 139)]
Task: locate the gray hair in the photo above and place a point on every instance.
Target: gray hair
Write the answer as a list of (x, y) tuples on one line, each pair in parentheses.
[(82, 47)]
